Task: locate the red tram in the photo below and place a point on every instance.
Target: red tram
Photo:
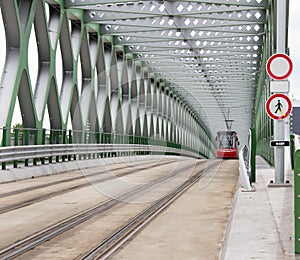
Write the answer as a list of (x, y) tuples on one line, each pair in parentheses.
[(227, 145)]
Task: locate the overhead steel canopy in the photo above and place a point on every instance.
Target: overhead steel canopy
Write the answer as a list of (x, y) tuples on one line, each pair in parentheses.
[(209, 51)]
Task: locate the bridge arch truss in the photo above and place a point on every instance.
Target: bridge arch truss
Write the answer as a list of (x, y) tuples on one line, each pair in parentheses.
[(135, 71)]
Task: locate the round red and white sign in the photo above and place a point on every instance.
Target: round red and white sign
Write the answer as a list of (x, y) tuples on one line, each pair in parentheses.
[(279, 66), (278, 106)]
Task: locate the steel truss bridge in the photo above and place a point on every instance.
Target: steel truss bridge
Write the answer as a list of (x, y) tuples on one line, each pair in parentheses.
[(158, 73)]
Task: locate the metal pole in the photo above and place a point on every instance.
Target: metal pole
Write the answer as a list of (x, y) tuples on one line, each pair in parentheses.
[(279, 125)]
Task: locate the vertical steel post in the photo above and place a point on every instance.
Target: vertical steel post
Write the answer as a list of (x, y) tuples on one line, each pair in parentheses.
[(35, 135), (43, 142), (4, 142), (292, 149), (279, 125), (252, 155), (50, 142), (70, 141), (16, 143), (64, 139), (26, 137), (57, 137)]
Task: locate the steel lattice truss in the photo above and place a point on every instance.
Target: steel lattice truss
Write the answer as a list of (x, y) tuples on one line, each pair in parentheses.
[(209, 51), (173, 69)]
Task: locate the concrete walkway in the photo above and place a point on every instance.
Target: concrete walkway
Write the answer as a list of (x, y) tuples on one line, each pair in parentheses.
[(262, 223)]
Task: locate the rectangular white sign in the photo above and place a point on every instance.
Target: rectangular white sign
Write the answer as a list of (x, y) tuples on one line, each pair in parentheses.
[(279, 86)]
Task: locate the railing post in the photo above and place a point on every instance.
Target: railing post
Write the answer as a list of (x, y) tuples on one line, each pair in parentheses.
[(139, 142), (86, 137), (43, 142), (297, 200), (95, 136), (57, 134), (26, 137), (131, 139), (143, 142), (43, 136), (4, 142), (81, 141), (16, 143), (36, 133), (50, 142), (16, 136), (252, 155), (51, 137), (107, 141), (70, 137), (112, 141), (70, 141), (64, 138), (98, 137), (292, 150), (102, 142)]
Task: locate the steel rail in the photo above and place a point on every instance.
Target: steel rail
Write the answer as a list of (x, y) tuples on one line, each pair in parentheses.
[(30, 242), (69, 189), (112, 243), (41, 186)]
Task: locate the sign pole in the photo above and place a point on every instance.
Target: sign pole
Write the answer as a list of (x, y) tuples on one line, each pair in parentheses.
[(279, 125)]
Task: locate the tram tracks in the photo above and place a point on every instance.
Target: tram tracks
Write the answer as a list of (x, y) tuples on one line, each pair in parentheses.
[(49, 195), (30, 242), (117, 239), (41, 186)]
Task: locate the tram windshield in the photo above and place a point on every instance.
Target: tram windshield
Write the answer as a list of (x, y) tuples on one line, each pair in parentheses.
[(226, 139)]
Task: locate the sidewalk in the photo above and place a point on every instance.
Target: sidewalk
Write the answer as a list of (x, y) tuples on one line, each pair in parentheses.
[(262, 223)]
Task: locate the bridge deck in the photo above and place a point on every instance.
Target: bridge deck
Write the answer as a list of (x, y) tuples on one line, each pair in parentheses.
[(212, 220), (193, 226)]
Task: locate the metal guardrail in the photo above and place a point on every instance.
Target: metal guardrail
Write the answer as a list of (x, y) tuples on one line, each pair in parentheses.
[(296, 144), (76, 151)]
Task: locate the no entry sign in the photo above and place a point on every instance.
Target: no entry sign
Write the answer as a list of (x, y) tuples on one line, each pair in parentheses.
[(278, 106), (279, 66)]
